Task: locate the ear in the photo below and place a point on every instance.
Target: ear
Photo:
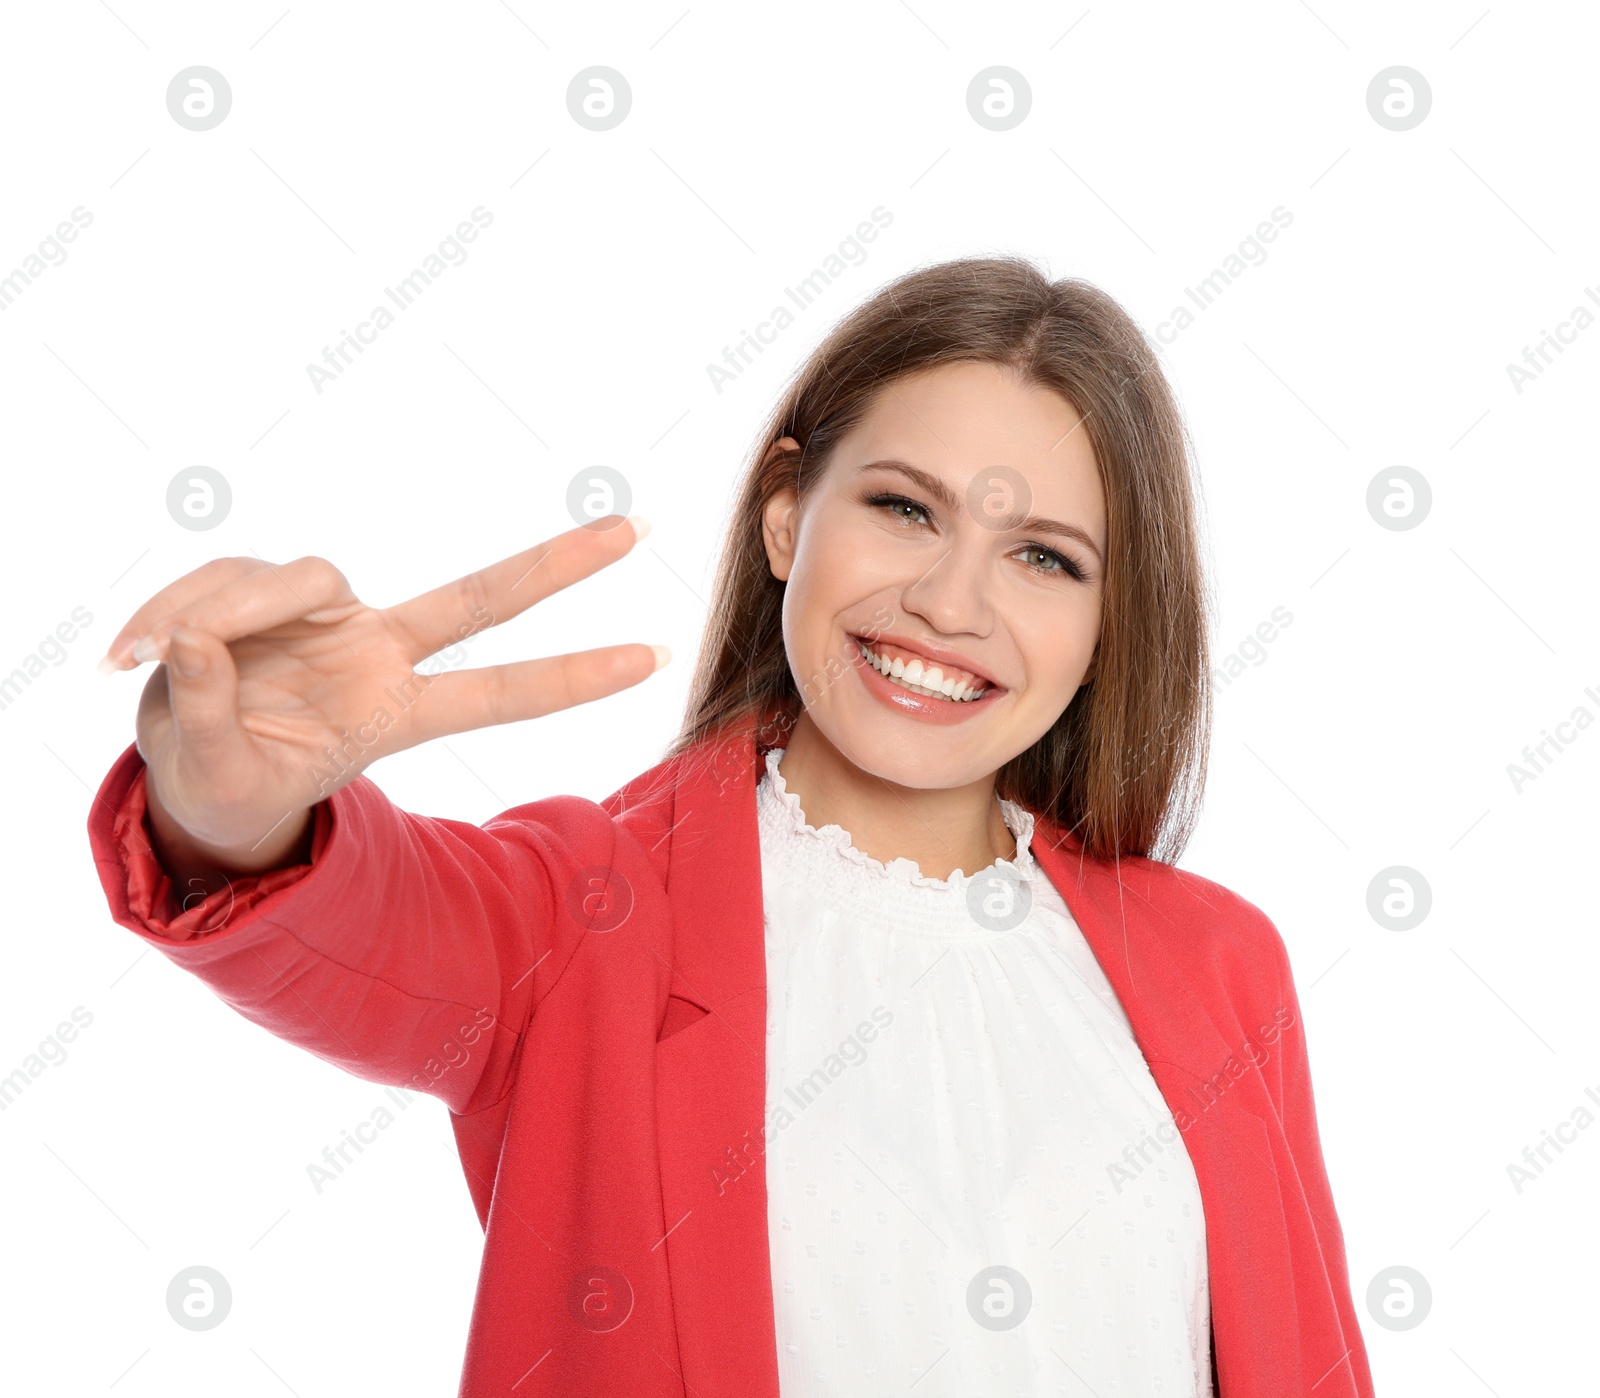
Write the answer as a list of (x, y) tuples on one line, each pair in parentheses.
[(780, 518)]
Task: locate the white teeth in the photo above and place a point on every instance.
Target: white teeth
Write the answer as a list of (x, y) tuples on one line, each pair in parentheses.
[(920, 679)]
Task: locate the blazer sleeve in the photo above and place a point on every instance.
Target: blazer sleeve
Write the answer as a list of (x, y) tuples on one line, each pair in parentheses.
[(410, 951), (1292, 1093)]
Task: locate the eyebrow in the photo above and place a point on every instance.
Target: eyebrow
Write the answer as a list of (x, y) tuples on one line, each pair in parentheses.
[(932, 485)]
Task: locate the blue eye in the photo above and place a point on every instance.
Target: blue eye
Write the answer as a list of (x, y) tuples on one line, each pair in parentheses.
[(1043, 560), (1053, 561), (912, 513), (896, 504)]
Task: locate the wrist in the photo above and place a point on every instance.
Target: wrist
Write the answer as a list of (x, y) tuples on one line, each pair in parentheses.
[(205, 866)]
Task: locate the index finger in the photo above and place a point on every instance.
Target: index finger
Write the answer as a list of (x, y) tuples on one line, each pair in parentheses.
[(181, 592), (508, 588)]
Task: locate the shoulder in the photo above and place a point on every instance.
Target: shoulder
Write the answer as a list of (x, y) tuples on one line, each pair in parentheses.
[(1217, 931), (650, 798), (679, 803), (1214, 935), (686, 799), (628, 826), (1199, 903)]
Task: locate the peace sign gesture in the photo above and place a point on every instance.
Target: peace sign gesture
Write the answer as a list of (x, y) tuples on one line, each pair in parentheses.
[(278, 685)]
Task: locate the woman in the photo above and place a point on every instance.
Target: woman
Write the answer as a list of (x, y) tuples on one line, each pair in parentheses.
[(757, 1088)]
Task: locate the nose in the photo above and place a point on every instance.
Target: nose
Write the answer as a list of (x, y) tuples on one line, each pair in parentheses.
[(952, 595)]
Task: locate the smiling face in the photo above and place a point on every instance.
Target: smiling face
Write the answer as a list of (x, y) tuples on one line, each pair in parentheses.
[(961, 525)]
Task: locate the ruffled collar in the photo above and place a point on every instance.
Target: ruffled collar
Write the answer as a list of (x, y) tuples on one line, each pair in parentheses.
[(784, 808)]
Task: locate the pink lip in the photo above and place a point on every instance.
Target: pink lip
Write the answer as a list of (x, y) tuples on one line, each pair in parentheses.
[(942, 654), (917, 706)]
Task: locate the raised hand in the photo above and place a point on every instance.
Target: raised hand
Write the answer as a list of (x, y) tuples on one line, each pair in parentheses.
[(278, 685)]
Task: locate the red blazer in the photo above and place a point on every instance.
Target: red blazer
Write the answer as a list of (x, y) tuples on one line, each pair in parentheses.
[(584, 987)]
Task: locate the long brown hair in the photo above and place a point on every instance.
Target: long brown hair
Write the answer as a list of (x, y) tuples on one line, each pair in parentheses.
[(1123, 768)]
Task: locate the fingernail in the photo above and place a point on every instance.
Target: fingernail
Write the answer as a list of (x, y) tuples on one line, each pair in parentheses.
[(185, 656), (145, 649), (118, 657), (641, 526), (662, 656)]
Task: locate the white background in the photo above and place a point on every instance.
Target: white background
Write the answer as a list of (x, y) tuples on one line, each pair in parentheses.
[(1377, 731)]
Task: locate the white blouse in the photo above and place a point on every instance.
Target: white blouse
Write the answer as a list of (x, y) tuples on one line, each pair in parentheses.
[(974, 1184)]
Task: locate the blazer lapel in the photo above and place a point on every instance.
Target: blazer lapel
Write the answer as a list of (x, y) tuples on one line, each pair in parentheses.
[(1229, 1146), (711, 1088), (711, 1082)]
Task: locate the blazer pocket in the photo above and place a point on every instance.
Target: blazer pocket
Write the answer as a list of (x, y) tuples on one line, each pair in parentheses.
[(681, 1014)]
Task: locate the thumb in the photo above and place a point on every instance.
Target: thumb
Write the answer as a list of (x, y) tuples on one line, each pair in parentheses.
[(203, 690)]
